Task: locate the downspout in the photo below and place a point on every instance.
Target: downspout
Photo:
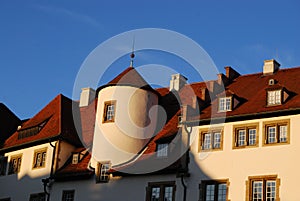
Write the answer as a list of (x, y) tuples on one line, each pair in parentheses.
[(184, 188), (47, 181), (186, 174)]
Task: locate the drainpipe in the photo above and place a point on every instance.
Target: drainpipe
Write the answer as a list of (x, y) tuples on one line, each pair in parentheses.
[(47, 181), (184, 188)]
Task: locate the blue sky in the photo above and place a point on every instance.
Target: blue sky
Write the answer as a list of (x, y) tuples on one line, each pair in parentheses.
[(44, 43)]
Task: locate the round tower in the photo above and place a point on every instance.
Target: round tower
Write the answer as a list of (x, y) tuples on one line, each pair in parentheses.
[(125, 118)]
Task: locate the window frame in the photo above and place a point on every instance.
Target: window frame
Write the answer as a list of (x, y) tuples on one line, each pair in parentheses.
[(162, 186), (105, 111), (224, 107), (264, 179), (34, 196), (276, 125), (212, 132), (102, 174), (66, 193), (203, 186), (275, 97), (246, 128), (11, 169), (162, 152), (42, 163)]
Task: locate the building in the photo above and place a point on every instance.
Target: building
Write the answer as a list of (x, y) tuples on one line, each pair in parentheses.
[(234, 138)]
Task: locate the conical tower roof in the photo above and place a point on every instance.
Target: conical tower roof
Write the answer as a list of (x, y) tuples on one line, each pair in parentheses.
[(129, 77)]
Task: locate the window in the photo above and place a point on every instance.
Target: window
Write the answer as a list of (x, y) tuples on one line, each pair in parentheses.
[(276, 132), (162, 150), (274, 97), (263, 188), (37, 197), (31, 131), (68, 195), (224, 104), (161, 191), (3, 165), (39, 159), (212, 190), (15, 164), (109, 111), (102, 173), (211, 140), (245, 135), (75, 158)]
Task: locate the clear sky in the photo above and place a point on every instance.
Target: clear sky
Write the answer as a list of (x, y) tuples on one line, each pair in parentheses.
[(44, 43)]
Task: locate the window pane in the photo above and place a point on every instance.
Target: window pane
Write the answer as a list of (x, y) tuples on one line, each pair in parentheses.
[(241, 137), (271, 97), (257, 194), (221, 104), (68, 195), (162, 150), (283, 133), (207, 141), (104, 175), (252, 136), (278, 97), (210, 193), (228, 103), (271, 134), (155, 194), (168, 193), (222, 192), (271, 190), (217, 141)]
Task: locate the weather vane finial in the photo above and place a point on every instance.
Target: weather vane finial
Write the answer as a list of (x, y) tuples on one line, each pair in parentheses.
[(132, 53)]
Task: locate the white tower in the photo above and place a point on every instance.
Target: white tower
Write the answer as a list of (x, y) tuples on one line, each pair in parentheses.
[(125, 118)]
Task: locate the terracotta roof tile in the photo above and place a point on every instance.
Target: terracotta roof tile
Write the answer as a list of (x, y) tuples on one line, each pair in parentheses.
[(75, 171), (58, 119)]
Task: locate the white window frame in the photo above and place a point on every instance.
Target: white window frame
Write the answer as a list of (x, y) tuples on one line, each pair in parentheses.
[(162, 150), (274, 97), (225, 104)]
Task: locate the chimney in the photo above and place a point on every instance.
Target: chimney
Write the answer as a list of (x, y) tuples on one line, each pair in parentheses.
[(231, 74), (270, 67), (87, 96), (177, 82), (222, 79)]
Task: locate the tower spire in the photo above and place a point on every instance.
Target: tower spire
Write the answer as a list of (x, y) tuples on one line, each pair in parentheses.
[(132, 54)]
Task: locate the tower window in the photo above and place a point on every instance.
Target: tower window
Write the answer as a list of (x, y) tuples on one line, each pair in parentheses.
[(109, 111)]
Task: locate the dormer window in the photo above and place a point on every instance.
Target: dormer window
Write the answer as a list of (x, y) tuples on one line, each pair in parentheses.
[(75, 158), (225, 104), (162, 150), (274, 97)]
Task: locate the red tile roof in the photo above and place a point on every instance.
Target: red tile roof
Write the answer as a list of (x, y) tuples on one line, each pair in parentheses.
[(75, 171), (59, 123), (252, 90)]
